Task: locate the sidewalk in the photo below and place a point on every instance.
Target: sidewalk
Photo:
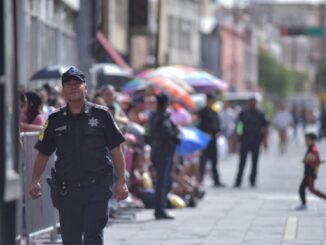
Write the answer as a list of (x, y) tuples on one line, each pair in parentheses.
[(261, 216), (230, 217)]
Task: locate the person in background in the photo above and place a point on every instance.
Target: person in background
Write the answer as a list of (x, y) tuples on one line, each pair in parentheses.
[(110, 98), (31, 117), (282, 121), (46, 108), (136, 111), (252, 130), (322, 119), (98, 100), (311, 163), (209, 122), (22, 104), (228, 117), (163, 137)]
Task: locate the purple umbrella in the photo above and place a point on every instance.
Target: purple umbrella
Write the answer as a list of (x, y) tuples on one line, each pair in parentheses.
[(204, 82)]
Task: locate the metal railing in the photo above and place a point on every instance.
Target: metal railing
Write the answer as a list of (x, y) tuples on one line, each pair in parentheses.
[(38, 216)]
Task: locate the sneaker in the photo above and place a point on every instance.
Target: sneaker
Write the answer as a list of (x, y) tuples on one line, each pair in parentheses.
[(301, 207)]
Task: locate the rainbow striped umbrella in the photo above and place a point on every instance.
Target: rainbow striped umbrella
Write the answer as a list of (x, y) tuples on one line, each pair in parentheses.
[(200, 80), (156, 84)]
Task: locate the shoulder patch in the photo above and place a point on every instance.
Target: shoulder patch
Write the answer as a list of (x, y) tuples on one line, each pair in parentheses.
[(55, 111), (101, 107), (41, 135)]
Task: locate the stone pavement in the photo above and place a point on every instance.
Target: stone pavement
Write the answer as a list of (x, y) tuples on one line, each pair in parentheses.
[(261, 216)]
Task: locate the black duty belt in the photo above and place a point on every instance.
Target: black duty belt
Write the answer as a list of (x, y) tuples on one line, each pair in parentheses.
[(85, 182)]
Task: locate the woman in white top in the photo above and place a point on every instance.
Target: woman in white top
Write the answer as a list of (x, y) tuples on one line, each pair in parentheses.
[(282, 120)]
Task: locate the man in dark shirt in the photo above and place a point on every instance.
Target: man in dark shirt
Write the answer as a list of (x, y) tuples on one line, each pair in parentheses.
[(251, 129), (209, 122), (163, 138), (81, 134)]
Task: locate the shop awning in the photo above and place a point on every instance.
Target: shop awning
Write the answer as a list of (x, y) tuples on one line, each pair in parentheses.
[(116, 57)]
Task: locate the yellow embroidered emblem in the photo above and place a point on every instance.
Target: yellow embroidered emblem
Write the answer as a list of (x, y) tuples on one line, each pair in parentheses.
[(41, 135)]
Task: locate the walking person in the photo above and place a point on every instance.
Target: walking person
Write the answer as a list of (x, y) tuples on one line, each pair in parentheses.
[(311, 163), (163, 137), (282, 121), (81, 134), (252, 130), (209, 122)]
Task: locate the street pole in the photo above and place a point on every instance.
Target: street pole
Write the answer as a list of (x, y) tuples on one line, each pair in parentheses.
[(158, 34)]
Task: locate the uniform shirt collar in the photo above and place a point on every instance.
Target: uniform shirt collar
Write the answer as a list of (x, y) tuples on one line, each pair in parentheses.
[(85, 109)]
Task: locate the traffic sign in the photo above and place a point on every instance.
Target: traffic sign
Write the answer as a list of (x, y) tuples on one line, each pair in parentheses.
[(316, 31), (306, 31)]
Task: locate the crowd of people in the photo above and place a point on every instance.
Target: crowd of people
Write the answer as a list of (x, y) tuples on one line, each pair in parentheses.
[(157, 176)]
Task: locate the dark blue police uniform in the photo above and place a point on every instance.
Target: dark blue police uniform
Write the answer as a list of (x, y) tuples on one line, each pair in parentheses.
[(254, 126), (82, 143)]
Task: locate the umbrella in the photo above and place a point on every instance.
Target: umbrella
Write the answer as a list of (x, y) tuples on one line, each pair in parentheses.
[(203, 82), (174, 73), (200, 80), (133, 85), (109, 74), (192, 139), (161, 84), (49, 72), (175, 93)]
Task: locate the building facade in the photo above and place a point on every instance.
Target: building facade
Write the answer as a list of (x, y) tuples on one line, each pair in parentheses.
[(47, 35), (180, 35), (232, 56)]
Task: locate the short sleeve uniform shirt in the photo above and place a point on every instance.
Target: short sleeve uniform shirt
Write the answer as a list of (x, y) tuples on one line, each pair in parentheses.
[(81, 141)]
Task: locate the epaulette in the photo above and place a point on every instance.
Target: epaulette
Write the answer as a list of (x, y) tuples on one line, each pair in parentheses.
[(101, 107), (55, 111)]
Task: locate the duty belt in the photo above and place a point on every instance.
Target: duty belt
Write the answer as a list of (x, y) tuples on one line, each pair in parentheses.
[(85, 182)]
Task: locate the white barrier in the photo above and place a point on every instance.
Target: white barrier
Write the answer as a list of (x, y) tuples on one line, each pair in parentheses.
[(37, 215)]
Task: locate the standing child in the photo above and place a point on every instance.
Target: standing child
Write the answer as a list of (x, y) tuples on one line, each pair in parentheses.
[(311, 163)]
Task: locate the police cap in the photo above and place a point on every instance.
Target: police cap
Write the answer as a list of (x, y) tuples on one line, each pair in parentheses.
[(72, 72)]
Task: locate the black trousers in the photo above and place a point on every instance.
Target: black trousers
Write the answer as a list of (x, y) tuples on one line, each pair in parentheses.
[(163, 164), (244, 150), (83, 214), (210, 154)]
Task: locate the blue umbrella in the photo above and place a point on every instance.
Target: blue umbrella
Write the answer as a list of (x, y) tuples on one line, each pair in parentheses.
[(192, 139)]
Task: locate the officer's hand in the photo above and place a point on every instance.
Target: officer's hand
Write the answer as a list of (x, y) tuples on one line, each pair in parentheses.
[(121, 191), (35, 191)]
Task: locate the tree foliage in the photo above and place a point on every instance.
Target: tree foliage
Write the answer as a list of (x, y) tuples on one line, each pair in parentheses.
[(274, 77), (320, 79)]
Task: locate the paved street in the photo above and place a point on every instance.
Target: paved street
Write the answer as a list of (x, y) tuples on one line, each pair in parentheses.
[(261, 216)]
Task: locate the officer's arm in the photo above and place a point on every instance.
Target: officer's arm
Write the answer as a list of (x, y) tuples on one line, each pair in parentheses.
[(121, 188), (39, 166), (119, 163)]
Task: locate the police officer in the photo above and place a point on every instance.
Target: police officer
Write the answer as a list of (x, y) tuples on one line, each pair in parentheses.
[(163, 138), (209, 122), (252, 129), (82, 134)]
